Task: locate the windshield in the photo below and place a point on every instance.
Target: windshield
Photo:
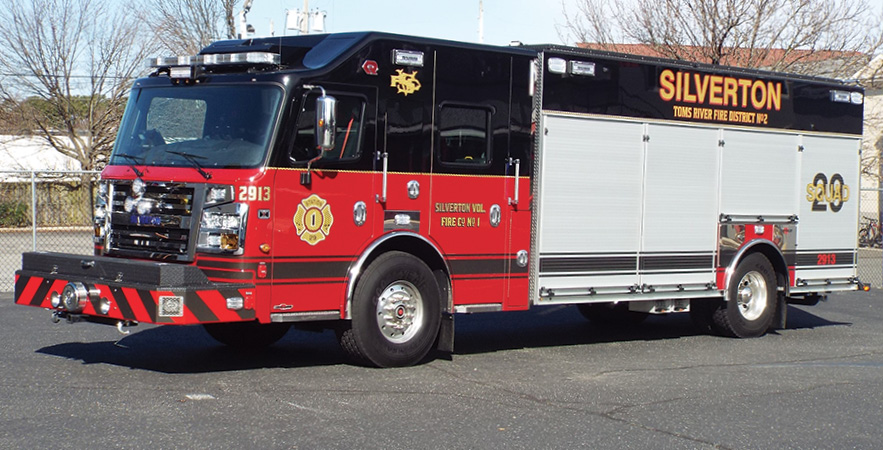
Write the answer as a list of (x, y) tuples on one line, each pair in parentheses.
[(205, 126)]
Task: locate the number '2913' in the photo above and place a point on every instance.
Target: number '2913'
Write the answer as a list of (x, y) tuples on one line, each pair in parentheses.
[(254, 193)]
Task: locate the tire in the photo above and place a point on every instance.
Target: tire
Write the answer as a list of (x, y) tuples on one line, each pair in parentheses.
[(752, 299), (396, 312), (246, 334), (611, 314), (702, 312)]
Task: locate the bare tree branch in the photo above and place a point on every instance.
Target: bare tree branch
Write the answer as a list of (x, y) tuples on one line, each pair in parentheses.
[(186, 26), (76, 59), (817, 37)]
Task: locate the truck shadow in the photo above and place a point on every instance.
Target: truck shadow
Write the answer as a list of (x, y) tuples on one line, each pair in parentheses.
[(178, 350), (563, 326)]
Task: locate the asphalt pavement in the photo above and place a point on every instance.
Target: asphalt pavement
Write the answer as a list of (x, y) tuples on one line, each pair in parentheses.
[(545, 378)]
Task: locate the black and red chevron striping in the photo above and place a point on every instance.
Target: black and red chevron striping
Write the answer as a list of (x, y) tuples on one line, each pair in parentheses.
[(201, 305)]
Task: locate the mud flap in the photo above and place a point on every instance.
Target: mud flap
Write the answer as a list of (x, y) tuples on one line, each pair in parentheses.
[(446, 333)]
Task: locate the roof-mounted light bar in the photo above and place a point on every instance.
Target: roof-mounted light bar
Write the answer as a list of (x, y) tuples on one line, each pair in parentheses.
[(216, 59)]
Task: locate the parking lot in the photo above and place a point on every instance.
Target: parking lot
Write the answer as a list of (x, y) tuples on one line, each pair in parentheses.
[(539, 379)]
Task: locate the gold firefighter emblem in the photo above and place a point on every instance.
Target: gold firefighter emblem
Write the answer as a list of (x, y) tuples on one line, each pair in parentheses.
[(313, 219), (406, 83)]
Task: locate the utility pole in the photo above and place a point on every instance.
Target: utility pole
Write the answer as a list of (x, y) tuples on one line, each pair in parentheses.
[(305, 19)]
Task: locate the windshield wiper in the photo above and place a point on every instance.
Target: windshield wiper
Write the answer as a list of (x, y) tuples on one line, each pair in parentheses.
[(195, 160), (133, 159)]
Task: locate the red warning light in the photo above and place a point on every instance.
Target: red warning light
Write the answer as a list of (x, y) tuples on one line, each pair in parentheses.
[(370, 67)]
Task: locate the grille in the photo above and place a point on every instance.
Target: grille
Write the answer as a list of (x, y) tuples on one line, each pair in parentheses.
[(154, 225)]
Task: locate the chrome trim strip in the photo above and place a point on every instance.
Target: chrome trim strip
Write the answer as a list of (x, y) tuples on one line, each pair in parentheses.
[(485, 307), (304, 316)]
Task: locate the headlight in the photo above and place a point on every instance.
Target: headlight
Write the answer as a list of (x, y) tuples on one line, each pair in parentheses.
[(138, 187), (104, 305), (101, 213), (222, 228), (74, 297), (227, 221), (143, 206), (218, 194)]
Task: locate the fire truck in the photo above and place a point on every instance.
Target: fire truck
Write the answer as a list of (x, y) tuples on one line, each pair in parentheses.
[(378, 185)]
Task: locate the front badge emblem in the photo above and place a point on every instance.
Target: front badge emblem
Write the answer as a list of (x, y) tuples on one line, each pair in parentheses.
[(313, 219)]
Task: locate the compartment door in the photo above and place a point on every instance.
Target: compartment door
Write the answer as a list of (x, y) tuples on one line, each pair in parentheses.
[(590, 201)]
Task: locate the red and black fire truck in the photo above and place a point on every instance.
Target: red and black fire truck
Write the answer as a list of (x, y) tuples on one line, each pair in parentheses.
[(378, 184)]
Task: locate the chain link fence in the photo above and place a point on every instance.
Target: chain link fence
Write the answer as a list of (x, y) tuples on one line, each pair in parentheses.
[(870, 252), (43, 211)]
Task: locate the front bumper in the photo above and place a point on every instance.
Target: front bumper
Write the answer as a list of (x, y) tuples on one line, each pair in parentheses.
[(131, 290)]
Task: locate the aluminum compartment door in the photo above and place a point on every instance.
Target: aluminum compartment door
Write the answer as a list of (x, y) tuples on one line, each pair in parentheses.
[(680, 206), (589, 204), (829, 201), (759, 173)]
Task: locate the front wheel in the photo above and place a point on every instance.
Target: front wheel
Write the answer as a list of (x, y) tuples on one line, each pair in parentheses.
[(751, 305), (396, 312)]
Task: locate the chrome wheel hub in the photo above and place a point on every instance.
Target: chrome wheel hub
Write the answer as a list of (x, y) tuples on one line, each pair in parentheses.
[(399, 312), (751, 297)]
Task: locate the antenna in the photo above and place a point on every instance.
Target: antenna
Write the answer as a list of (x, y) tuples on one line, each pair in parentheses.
[(480, 22)]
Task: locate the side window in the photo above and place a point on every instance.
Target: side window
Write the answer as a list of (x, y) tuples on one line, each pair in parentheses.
[(347, 142), (464, 134)]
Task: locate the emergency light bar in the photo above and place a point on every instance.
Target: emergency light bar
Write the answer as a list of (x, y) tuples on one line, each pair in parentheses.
[(215, 59)]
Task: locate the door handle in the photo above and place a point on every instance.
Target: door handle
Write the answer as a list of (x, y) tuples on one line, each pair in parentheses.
[(517, 163)]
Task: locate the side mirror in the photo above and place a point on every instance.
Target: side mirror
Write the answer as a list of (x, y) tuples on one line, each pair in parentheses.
[(326, 120)]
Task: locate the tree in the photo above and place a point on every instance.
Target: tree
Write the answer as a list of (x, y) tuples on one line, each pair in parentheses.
[(814, 37), (67, 66), (186, 26)]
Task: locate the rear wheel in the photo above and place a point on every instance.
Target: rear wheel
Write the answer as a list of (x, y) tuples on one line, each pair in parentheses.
[(246, 334), (396, 312), (611, 314), (752, 299)]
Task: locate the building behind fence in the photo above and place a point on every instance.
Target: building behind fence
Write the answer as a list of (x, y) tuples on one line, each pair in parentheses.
[(52, 211)]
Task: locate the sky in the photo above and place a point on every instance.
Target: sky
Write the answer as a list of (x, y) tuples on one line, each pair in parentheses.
[(528, 21)]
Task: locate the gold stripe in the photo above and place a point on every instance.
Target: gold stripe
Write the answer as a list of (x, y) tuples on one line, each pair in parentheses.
[(393, 173)]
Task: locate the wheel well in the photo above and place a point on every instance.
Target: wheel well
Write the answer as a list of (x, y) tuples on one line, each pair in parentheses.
[(774, 255), (412, 244)]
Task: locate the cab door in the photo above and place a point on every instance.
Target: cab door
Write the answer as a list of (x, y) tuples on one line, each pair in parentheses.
[(322, 200)]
